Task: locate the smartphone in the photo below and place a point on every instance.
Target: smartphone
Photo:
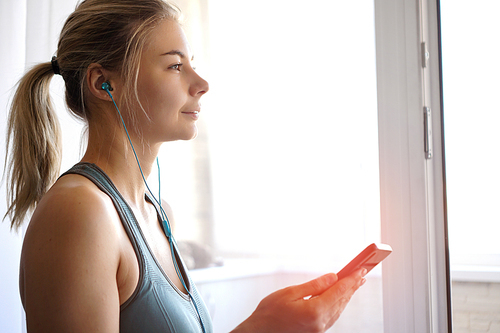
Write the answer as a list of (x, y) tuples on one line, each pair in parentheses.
[(368, 258)]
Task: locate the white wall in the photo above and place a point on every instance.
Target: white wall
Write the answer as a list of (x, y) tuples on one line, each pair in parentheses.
[(12, 32)]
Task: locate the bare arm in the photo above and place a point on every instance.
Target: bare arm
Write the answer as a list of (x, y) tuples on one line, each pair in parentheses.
[(69, 263), (292, 310)]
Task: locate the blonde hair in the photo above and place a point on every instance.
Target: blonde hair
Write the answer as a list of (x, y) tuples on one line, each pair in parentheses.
[(111, 33)]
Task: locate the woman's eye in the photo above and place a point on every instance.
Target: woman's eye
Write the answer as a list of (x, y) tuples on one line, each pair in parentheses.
[(177, 67)]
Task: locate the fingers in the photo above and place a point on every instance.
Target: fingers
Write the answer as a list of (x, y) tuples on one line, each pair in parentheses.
[(319, 285), (350, 283), (341, 292), (314, 287), (334, 300)]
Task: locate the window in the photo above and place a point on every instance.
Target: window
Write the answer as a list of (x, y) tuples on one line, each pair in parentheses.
[(292, 134), (292, 127), (471, 121), (471, 118)]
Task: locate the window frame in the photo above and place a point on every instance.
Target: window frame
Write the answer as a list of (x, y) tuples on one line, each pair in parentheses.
[(416, 284)]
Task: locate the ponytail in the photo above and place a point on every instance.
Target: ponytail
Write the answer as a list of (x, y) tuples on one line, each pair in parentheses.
[(34, 139)]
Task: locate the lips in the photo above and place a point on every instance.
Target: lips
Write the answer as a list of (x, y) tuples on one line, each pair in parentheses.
[(193, 114)]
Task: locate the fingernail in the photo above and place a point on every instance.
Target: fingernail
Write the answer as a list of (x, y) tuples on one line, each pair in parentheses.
[(364, 272), (362, 282), (330, 279)]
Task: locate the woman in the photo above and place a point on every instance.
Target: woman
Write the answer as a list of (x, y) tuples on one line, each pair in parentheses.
[(98, 255)]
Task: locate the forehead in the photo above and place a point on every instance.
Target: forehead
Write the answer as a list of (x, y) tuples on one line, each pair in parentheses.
[(167, 36)]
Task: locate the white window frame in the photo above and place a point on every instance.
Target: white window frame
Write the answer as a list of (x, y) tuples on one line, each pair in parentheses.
[(413, 209)]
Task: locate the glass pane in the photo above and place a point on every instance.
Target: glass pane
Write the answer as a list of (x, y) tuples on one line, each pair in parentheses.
[(472, 116), (292, 132)]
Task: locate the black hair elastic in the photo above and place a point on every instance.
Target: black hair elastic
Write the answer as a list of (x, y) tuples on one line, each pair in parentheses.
[(55, 66)]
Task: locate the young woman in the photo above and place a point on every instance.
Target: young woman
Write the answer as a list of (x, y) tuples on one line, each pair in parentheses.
[(98, 255)]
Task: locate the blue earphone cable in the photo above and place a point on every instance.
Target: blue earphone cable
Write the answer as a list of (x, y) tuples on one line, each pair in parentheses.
[(165, 222)]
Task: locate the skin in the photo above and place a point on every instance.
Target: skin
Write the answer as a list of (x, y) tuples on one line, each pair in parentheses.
[(78, 265)]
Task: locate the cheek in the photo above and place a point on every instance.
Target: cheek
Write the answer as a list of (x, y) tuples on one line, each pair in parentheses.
[(164, 106), (158, 98)]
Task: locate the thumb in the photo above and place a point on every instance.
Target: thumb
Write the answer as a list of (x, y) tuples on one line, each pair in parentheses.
[(315, 287)]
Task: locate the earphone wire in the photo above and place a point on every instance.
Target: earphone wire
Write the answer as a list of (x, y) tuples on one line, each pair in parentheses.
[(165, 221), (162, 212)]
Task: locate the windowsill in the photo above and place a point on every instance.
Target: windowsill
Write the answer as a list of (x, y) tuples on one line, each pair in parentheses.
[(475, 273), (234, 269), (247, 268)]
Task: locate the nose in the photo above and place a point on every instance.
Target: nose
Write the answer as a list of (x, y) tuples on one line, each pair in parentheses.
[(199, 86)]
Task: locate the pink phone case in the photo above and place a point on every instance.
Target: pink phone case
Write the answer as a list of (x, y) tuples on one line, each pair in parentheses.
[(368, 258)]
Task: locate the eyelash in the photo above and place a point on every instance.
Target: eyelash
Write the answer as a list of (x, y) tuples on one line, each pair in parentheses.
[(176, 67)]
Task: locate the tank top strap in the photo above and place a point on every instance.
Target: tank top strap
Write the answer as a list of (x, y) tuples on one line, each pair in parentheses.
[(129, 222)]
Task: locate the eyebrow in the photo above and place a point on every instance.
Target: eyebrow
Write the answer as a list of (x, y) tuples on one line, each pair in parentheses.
[(177, 52)]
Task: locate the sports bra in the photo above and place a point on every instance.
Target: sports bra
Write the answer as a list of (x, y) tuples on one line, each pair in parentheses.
[(156, 305)]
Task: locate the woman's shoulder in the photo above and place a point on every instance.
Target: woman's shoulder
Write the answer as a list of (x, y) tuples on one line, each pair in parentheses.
[(71, 255), (74, 198), (77, 210)]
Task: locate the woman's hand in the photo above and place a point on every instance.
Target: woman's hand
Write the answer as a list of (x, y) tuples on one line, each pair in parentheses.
[(310, 307)]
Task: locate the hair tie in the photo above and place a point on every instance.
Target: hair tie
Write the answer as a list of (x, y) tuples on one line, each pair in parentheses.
[(55, 66)]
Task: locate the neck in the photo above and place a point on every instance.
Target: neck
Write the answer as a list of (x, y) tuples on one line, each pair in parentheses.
[(112, 152)]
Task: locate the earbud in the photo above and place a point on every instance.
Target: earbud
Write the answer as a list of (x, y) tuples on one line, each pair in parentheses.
[(106, 86)]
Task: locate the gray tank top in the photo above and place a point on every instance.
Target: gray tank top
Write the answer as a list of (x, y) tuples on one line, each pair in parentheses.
[(156, 305)]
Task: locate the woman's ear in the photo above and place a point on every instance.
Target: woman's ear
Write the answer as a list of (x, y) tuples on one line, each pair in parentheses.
[(96, 76)]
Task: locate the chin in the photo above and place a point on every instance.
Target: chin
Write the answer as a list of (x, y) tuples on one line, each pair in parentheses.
[(190, 136), (195, 134)]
